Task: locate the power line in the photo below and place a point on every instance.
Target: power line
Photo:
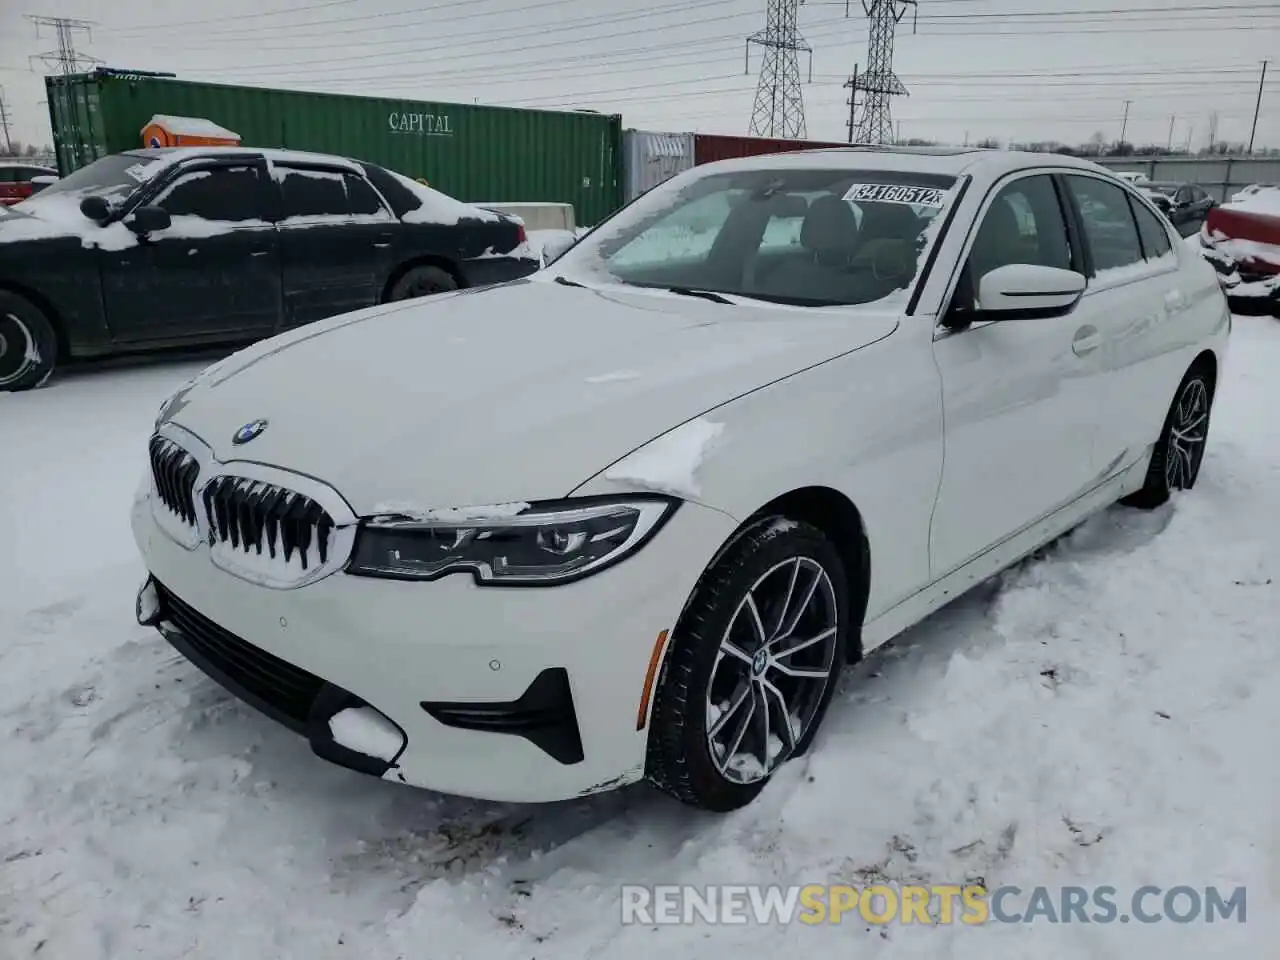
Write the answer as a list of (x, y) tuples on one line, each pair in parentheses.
[(483, 40), (328, 70), (280, 11), (234, 34), (1261, 82)]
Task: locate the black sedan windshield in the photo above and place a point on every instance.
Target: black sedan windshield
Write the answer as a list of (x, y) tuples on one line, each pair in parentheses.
[(112, 178), (807, 237)]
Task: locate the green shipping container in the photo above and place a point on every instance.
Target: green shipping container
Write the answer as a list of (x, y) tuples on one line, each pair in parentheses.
[(474, 153)]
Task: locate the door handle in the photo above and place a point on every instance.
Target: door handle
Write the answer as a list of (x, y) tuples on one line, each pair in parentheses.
[(1087, 340), (259, 253), (382, 246)]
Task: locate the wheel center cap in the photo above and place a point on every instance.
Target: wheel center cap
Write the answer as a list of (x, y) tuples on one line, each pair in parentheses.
[(759, 661)]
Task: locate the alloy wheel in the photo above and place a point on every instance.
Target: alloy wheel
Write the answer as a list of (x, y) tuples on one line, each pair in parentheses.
[(17, 347), (772, 669), (1188, 431)]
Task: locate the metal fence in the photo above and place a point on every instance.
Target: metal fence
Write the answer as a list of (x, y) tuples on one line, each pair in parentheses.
[(1219, 176)]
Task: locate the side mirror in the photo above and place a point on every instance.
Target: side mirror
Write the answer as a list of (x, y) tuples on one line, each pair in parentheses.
[(95, 208), (1026, 291), (145, 220), (557, 247), (40, 182)]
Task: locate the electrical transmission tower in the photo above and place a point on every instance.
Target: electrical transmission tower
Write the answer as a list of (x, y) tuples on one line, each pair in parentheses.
[(779, 105), (66, 59), (4, 124), (878, 81)]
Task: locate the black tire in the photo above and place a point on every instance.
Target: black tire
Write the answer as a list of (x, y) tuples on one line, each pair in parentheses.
[(1188, 419), (680, 757), (28, 344), (422, 282)]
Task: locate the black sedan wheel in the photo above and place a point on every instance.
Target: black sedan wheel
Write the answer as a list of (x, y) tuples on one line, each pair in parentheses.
[(753, 664), (28, 345), (422, 282)]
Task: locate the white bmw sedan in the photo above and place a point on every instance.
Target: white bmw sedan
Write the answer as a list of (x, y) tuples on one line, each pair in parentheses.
[(628, 517)]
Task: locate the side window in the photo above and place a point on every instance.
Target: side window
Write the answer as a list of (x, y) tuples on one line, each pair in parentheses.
[(8, 174), (221, 193), (311, 193), (1024, 224), (1108, 223), (1198, 195), (1183, 195), (362, 200), (1155, 239)]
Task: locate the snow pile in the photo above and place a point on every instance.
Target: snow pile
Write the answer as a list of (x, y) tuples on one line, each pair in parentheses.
[(366, 731), (1103, 714), (193, 127), (1265, 201), (408, 511), (670, 463), (438, 207), (50, 216)]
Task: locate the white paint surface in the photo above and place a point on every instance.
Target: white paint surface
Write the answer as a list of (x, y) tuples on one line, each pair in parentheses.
[(1128, 681)]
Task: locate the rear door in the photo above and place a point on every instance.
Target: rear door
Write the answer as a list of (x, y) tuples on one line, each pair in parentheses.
[(337, 240), (1133, 288), (213, 274), (1018, 395)]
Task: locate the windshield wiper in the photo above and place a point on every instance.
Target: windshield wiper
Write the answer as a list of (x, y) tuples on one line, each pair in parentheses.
[(566, 282), (701, 294)]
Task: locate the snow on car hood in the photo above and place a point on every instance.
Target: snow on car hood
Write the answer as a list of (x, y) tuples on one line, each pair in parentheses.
[(515, 393)]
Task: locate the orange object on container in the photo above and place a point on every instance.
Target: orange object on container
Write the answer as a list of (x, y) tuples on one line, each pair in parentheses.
[(167, 131)]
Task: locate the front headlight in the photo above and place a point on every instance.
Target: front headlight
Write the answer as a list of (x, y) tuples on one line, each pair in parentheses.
[(544, 544)]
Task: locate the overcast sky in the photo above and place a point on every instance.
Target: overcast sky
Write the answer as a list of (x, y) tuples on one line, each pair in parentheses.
[(1019, 69)]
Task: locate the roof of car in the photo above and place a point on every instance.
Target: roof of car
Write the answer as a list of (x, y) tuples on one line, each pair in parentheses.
[(178, 154), (952, 161)]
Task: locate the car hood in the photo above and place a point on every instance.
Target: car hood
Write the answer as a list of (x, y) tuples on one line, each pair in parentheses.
[(514, 393)]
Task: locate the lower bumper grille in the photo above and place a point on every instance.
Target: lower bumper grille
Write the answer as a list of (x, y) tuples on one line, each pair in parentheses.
[(276, 687), (544, 715)]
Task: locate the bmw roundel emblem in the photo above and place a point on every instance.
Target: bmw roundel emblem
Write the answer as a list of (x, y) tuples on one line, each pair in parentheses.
[(249, 431)]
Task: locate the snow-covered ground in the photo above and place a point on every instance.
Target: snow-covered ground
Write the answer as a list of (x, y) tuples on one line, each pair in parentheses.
[(1106, 713)]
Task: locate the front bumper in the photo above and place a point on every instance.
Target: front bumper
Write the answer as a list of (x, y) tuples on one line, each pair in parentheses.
[(506, 694)]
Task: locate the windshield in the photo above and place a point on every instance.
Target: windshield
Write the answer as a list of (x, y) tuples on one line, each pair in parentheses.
[(799, 236), (112, 178)]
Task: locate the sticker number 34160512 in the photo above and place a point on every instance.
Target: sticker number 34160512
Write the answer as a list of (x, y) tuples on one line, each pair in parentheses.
[(896, 193)]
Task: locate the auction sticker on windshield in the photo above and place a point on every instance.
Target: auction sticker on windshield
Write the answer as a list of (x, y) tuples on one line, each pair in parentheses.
[(896, 193)]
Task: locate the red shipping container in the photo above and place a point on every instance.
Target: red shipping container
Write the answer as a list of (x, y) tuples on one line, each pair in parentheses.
[(709, 147)]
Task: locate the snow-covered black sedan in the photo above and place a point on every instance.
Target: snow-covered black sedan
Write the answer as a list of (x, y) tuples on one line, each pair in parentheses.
[(195, 246)]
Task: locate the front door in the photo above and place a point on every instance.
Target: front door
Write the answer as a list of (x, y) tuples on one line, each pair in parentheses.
[(337, 242), (214, 274), (1018, 396)]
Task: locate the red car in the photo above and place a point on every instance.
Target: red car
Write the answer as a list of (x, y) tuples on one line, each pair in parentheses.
[(1242, 241), (15, 179)]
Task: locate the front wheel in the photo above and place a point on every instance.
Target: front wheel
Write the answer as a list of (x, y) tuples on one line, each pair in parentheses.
[(1175, 462), (753, 664), (28, 344)]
